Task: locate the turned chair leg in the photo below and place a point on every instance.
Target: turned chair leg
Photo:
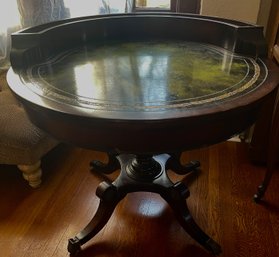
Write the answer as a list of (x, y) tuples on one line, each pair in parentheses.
[(272, 152), (32, 173)]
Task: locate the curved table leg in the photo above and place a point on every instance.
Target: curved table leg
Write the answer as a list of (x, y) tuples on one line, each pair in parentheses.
[(262, 188), (175, 196), (174, 164), (142, 173), (109, 198), (106, 168), (268, 175)]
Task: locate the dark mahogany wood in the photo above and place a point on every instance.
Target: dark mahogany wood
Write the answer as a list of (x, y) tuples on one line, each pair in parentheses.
[(40, 222), (103, 129), (149, 175), (215, 79)]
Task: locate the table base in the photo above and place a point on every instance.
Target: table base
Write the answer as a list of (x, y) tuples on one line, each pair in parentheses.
[(143, 173)]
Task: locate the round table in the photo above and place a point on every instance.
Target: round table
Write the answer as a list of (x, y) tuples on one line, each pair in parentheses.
[(143, 88)]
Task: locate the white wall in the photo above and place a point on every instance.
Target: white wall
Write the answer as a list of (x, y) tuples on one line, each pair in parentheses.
[(243, 10)]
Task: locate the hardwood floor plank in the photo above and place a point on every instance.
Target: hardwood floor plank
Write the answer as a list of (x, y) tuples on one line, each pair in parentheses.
[(39, 222)]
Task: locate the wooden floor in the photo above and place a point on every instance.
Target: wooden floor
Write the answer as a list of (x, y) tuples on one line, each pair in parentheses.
[(38, 223)]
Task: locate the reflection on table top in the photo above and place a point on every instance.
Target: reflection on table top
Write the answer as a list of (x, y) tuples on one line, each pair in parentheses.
[(144, 76)]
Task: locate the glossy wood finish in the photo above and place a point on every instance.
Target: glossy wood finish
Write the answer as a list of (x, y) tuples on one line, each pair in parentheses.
[(128, 103), (38, 222), (140, 109), (144, 174)]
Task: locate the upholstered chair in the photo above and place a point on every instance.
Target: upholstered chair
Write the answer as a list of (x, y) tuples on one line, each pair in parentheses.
[(21, 143)]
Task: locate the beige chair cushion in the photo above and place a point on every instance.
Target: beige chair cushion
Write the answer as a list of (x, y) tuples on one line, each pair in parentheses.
[(20, 141)]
